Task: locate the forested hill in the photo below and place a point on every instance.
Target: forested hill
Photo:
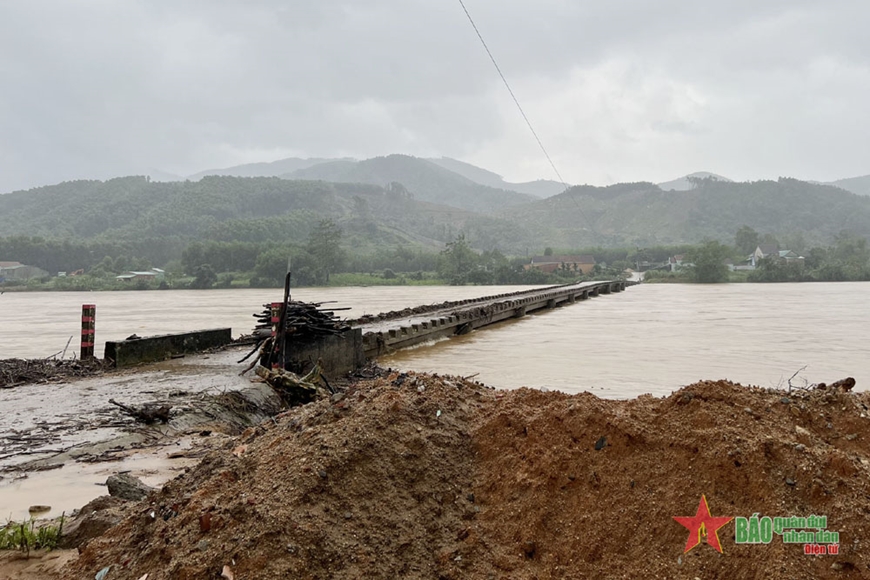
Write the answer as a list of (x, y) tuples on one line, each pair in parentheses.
[(424, 179), (157, 220), (642, 214)]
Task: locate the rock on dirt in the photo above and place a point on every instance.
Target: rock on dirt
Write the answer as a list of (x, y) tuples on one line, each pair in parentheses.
[(92, 521), (507, 485), (126, 486)]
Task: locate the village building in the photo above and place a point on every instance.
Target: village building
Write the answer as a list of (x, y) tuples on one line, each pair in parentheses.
[(675, 262), (18, 272), (582, 263), (772, 252), (132, 276)]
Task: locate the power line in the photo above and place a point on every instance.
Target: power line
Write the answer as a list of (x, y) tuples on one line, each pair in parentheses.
[(523, 113), (516, 102)]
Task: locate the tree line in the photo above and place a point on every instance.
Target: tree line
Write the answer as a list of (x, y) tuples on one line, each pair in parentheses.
[(328, 249), (847, 259)]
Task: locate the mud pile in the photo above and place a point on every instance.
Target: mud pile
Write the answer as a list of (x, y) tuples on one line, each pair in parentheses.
[(418, 476)]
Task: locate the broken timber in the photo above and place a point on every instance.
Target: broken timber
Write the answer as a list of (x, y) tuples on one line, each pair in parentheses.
[(383, 336)]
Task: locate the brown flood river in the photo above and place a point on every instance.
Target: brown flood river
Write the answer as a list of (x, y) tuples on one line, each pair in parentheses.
[(648, 339)]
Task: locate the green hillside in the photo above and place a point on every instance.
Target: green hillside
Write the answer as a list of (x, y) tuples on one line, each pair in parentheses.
[(642, 214), (156, 220), (424, 179)]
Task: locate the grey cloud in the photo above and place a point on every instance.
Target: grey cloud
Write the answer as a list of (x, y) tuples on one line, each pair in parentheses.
[(93, 88)]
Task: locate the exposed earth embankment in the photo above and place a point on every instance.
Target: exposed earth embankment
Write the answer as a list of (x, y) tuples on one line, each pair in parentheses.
[(419, 476)]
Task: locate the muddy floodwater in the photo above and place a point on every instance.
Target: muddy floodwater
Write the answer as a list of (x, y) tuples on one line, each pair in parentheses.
[(650, 338), (39, 324), (657, 338)]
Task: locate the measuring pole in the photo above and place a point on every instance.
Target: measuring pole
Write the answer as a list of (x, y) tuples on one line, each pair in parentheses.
[(89, 315)]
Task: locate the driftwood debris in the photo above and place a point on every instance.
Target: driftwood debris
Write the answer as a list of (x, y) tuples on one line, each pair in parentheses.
[(844, 385), (302, 321), (149, 413), (292, 388), (15, 372)]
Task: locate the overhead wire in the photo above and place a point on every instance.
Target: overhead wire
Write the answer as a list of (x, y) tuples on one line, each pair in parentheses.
[(523, 113)]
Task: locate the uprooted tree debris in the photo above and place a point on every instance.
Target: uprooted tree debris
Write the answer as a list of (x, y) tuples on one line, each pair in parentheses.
[(292, 388), (302, 321), (15, 372), (148, 413)]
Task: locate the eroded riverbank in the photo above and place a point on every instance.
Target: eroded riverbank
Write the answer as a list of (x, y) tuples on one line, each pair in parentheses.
[(412, 475), (60, 440)]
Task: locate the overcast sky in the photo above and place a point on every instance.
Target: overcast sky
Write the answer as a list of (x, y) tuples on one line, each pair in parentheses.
[(618, 90)]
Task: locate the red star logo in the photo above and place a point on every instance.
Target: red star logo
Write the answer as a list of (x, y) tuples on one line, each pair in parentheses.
[(702, 523)]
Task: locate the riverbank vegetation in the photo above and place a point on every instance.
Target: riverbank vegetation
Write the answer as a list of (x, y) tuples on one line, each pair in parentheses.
[(325, 259), (847, 260), (26, 536)]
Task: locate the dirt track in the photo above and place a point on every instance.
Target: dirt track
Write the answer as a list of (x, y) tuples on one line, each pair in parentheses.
[(415, 476)]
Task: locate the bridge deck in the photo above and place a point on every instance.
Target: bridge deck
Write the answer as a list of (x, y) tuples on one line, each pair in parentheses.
[(381, 336)]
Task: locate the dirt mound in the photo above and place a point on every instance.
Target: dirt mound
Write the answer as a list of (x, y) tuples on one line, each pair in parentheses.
[(371, 485), (582, 487), (416, 476)]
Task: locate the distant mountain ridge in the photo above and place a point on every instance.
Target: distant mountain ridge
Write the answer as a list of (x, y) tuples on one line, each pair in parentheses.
[(142, 213), (265, 169), (537, 188), (859, 185), (430, 181), (427, 181), (684, 183), (287, 167), (541, 188)]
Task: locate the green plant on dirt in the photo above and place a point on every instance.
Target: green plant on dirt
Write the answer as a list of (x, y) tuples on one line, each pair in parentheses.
[(25, 536)]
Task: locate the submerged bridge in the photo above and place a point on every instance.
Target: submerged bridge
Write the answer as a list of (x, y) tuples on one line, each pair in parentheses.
[(371, 336), (386, 333)]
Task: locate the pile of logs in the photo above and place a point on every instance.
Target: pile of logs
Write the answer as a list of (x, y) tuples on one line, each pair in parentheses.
[(300, 321), (304, 320), (297, 321)]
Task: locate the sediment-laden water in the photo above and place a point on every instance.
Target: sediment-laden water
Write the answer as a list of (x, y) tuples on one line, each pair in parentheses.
[(650, 338)]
